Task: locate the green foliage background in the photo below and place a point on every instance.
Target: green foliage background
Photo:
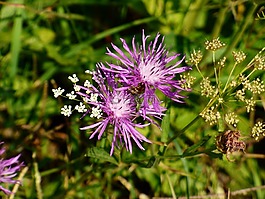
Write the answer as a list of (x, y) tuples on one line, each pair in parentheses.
[(43, 42)]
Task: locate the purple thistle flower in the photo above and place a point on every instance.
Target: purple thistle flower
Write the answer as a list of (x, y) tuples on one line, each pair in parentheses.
[(8, 170), (114, 107), (146, 69)]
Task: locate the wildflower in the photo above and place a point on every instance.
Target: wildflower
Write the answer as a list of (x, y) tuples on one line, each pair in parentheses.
[(233, 83), (211, 115), (71, 95), (214, 45), (96, 112), (94, 97), (146, 69), (207, 89), (239, 56), (8, 170), (222, 62), (196, 57), (66, 110), (231, 118), (89, 72), (250, 104), (240, 94), (87, 84), (257, 130), (74, 78), (57, 92), (115, 108), (187, 81), (256, 86), (81, 108), (259, 62), (76, 88)]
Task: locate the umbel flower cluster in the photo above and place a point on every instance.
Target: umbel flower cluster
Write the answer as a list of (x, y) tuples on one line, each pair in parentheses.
[(122, 96), (230, 92)]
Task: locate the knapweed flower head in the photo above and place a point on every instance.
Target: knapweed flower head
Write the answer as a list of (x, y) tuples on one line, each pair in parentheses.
[(146, 68), (121, 96), (113, 108), (8, 170)]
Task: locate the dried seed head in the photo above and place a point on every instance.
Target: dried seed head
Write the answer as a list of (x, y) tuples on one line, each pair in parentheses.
[(228, 142), (214, 45)]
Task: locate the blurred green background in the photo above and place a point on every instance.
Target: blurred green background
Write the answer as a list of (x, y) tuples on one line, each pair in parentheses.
[(43, 42)]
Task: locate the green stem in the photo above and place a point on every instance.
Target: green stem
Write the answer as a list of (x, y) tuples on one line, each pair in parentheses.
[(183, 130), (16, 41), (230, 75), (216, 29)]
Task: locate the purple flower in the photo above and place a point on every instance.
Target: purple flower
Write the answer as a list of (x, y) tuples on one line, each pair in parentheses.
[(144, 69), (8, 170), (113, 107)]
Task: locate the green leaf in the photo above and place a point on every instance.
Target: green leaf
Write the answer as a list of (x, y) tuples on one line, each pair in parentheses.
[(100, 153), (194, 147), (165, 126)]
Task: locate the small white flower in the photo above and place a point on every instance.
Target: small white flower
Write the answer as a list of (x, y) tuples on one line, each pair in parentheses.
[(66, 110), (94, 97), (85, 99), (81, 108), (87, 84), (74, 78), (71, 95), (96, 112), (89, 72), (77, 88), (57, 92)]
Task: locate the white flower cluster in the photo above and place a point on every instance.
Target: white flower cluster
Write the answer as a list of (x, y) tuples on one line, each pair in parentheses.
[(96, 112), (81, 108), (67, 110), (74, 78), (57, 92)]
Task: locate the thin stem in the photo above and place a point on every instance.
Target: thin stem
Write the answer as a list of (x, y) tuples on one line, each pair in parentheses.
[(197, 67), (183, 130), (230, 75)]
